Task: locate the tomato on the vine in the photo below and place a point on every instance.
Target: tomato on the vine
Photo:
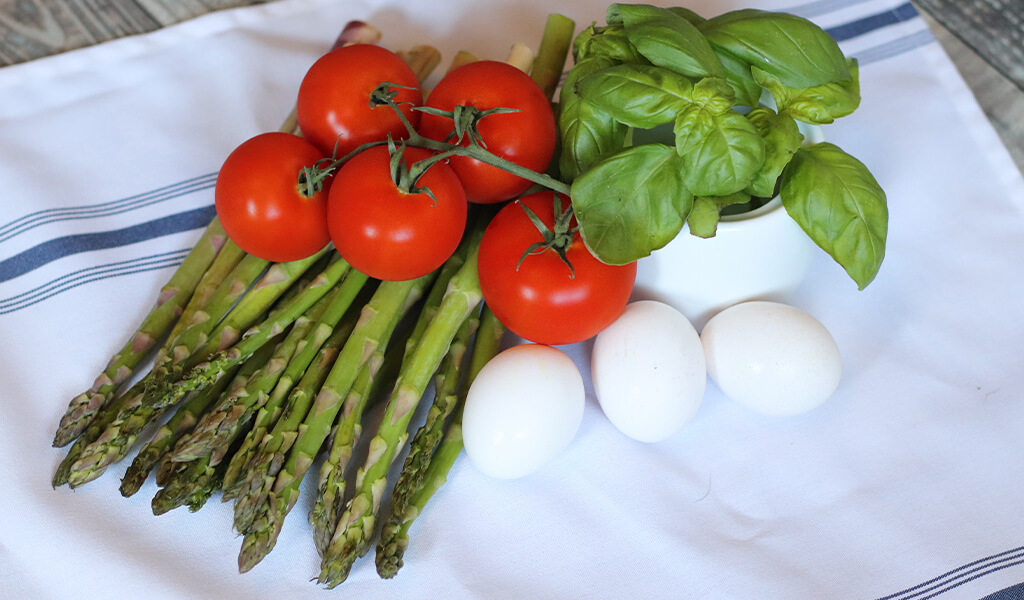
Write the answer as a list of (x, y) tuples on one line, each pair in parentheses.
[(525, 137), (390, 234), (536, 294), (260, 203), (333, 105)]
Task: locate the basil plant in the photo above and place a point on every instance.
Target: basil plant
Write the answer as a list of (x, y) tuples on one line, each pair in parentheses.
[(651, 67)]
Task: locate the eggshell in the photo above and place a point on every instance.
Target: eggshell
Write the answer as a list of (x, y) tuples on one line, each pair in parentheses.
[(772, 358), (522, 410), (648, 371)]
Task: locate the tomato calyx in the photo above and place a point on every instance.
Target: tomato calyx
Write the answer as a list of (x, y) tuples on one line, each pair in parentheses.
[(557, 240), (406, 177), (312, 178), (385, 94), (466, 119)]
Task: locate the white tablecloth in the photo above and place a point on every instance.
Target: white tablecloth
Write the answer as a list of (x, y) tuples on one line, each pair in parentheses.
[(906, 484)]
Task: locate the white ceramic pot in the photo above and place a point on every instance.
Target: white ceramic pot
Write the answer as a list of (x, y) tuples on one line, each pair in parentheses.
[(759, 255)]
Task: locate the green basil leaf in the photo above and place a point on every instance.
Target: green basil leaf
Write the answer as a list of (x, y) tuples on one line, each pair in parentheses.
[(714, 94), (782, 138), (795, 50), (631, 203), (689, 15), (838, 202), (606, 42), (703, 218), (669, 40), (819, 105), (721, 153), (586, 132), (581, 42), (737, 73), (640, 96)]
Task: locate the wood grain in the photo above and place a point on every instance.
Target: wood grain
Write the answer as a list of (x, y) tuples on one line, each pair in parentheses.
[(999, 97), (31, 29), (994, 29)]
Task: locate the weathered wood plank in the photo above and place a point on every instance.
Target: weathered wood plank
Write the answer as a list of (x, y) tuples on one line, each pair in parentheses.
[(31, 29), (167, 12), (998, 97), (992, 28)]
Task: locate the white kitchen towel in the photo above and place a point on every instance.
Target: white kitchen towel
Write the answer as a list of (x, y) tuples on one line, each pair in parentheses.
[(905, 485)]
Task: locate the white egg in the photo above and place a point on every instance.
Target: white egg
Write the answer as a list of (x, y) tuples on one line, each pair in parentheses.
[(772, 358), (523, 409), (648, 371)]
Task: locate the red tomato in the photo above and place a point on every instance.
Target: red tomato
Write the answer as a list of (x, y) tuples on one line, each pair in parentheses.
[(259, 202), (540, 300), (526, 138), (334, 98), (386, 233)]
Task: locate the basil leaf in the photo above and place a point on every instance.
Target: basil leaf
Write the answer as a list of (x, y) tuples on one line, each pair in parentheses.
[(703, 218), (714, 94), (687, 14), (782, 138), (737, 73), (586, 132), (840, 205), (821, 104), (640, 96), (606, 42), (631, 203), (721, 153), (795, 50), (669, 40)]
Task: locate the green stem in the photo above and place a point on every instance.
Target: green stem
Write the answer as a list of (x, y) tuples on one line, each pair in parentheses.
[(316, 356), (394, 537), (169, 306), (163, 441), (377, 322), (356, 525), (210, 371)]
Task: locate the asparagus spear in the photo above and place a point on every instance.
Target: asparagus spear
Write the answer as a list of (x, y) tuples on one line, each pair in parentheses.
[(394, 537), (321, 288), (355, 528), (348, 427), (262, 515), (446, 388), (169, 305), (227, 259), (311, 364), (331, 483), (232, 409), (163, 441), (135, 414), (179, 480), (206, 339), (271, 449)]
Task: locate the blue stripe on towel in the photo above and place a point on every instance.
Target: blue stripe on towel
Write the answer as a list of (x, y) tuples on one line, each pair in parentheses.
[(961, 575), (901, 13), (57, 248), (53, 215)]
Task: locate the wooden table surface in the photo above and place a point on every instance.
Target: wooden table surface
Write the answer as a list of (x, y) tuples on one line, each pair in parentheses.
[(985, 39)]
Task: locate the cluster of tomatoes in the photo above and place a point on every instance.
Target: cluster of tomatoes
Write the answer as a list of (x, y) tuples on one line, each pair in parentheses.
[(391, 233)]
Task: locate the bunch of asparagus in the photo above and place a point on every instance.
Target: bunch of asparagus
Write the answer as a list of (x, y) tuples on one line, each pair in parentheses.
[(266, 368)]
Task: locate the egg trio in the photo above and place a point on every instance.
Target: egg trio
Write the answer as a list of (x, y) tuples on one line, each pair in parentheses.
[(649, 370)]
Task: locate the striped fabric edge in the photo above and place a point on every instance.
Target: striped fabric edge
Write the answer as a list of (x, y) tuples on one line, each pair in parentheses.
[(30, 221), (961, 575), (54, 249), (90, 274)]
